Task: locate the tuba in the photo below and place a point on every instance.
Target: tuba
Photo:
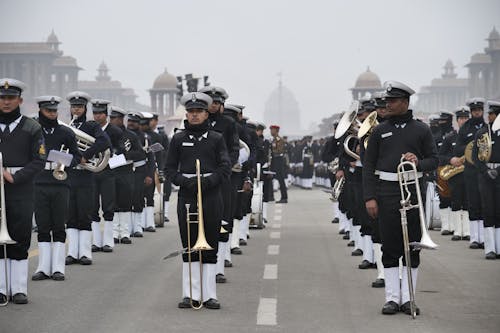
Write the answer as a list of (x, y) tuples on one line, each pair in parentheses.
[(337, 189), (367, 126), (349, 124), (4, 232), (84, 142), (333, 166)]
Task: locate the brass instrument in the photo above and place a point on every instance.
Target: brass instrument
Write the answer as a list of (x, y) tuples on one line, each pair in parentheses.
[(333, 166), (59, 172), (201, 242), (5, 238), (449, 171), (407, 178), (349, 124), (468, 152), (367, 126), (84, 141), (238, 167), (484, 146), (337, 189)]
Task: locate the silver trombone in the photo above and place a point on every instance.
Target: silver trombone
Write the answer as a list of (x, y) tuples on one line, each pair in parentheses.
[(408, 175), (5, 238)]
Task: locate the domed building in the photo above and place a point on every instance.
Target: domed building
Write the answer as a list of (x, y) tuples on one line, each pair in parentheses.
[(164, 94), (282, 109), (366, 83)]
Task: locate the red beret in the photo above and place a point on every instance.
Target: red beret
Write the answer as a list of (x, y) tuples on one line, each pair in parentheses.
[(274, 126)]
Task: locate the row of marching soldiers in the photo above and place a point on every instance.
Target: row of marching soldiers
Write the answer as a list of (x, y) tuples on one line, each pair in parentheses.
[(67, 174), (363, 183)]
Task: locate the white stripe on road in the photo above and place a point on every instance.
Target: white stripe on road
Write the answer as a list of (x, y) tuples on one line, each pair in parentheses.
[(275, 234), (277, 211), (270, 272), (273, 250), (266, 312), (276, 225), (277, 218)]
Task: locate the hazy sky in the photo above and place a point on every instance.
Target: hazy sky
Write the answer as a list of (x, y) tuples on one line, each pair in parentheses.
[(320, 46)]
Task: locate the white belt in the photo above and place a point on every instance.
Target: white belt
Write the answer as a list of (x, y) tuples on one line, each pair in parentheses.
[(139, 163), (393, 177), (351, 169), (191, 175), (13, 170), (358, 163), (50, 165), (493, 165)]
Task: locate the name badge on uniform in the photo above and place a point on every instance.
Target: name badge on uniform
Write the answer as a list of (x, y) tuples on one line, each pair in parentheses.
[(188, 144), (386, 135), (470, 134)]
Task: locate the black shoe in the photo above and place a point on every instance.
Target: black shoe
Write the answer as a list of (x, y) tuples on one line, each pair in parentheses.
[(85, 261), (236, 250), (390, 308), (220, 278), (227, 263), (282, 201), (350, 244), (456, 238), (243, 242), (138, 234), (150, 229), (446, 232), (407, 309), (58, 276), (378, 283), (35, 229), (107, 248), (357, 253), (335, 220), (212, 304), (96, 248), (20, 298), (186, 303), (265, 220), (166, 220), (481, 245), (365, 264), (116, 240), (38, 276), (125, 240), (70, 260), (474, 245), (466, 238), (346, 235), (491, 255), (3, 299), (159, 225)]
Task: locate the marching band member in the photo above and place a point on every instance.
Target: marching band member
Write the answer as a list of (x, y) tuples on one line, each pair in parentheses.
[(466, 135), (307, 159), (78, 228), (278, 161), (167, 184), (51, 194), (328, 154), (198, 141), (23, 153), (489, 182), (264, 156), (400, 136), (125, 180)]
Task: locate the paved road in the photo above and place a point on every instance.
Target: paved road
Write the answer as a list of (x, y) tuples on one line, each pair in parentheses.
[(297, 275)]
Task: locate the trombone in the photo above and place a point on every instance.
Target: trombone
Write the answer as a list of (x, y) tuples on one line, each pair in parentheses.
[(407, 175), (201, 242), (5, 238), (59, 172)]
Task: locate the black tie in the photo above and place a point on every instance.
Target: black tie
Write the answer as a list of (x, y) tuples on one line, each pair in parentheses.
[(5, 132)]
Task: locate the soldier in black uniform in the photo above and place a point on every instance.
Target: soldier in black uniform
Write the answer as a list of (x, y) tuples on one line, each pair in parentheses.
[(167, 184), (78, 228), (465, 136), (51, 194), (105, 181), (278, 161), (197, 141), (328, 154), (263, 156), (124, 176), (227, 127), (307, 159), (23, 153), (458, 218), (400, 137), (489, 180)]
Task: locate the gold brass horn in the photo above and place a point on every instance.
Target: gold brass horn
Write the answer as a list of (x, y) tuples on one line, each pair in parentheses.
[(484, 146), (201, 241), (4, 232), (59, 172), (349, 124), (367, 127)]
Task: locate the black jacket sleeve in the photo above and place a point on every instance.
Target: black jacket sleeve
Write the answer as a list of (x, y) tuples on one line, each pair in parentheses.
[(38, 154)]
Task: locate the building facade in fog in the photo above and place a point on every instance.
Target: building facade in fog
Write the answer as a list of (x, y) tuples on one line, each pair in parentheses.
[(282, 109), (366, 84), (163, 95)]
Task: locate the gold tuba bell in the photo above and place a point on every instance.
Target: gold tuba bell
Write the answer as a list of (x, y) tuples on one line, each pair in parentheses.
[(367, 126), (484, 146), (349, 124)]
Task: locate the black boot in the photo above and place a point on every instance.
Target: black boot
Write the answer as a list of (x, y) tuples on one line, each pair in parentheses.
[(236, 250), (85, 261), (38, 276), (365, 264), (335, 220), (212, 304), (227, 263), (220, 278), (390, 308), (491, 255), (378, 283), (474, 245), (357, 253), (70, 260), (96, 248), (126, 240), (406, 308), (456, 238), (20, 298), (346, 236), (107, 249), (58, 276)]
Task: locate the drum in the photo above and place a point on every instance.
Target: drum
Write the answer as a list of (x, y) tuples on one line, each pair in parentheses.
[(432, 217)]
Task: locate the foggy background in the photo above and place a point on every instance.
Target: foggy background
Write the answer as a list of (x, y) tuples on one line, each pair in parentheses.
[(320, 46)]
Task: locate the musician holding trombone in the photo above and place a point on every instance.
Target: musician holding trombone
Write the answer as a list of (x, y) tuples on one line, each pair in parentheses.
[(198, 142), (23, 155), (52, 189), (401, 137)]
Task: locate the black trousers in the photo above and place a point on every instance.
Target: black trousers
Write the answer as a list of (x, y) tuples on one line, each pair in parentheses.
[(458, 193), (361, 216), (138, 194), (227, 204), (472, 190), (375, 226), (212, 215), (124, 191), (237, 183), (19, 214), (167, 189), (149, 194), (490, 199), (246, 202), (444, 202), (278, 166), (267, 189), (81, 205), (348, 197), (51, 211), (104, 195), (388, 199)]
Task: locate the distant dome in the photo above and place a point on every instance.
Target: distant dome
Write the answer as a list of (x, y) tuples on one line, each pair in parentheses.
[(52, 39), (103, 67), (368, 80), (494, 35), (165, 81)]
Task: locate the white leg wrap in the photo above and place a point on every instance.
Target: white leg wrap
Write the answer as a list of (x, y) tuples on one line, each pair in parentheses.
[(44, 258), (368, 248), (3, 287), (221, 254), (480, 231), (209, 284), (58, 264), (405, 290), (137, 222), (497, 240), (165, 205), (377, 252), (235, 238), (125, 220), (85, 242), (195, 280), (474, 231), (150, 217), (465, 223), (108, 234), (19, 276), (116, 225), (96, 233), (392, 288), (445, 218), (489, 240), (73, 242)]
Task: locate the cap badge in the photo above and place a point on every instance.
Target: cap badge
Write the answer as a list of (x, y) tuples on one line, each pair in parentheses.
[(6, 85), (389, 87), (193, 98)]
